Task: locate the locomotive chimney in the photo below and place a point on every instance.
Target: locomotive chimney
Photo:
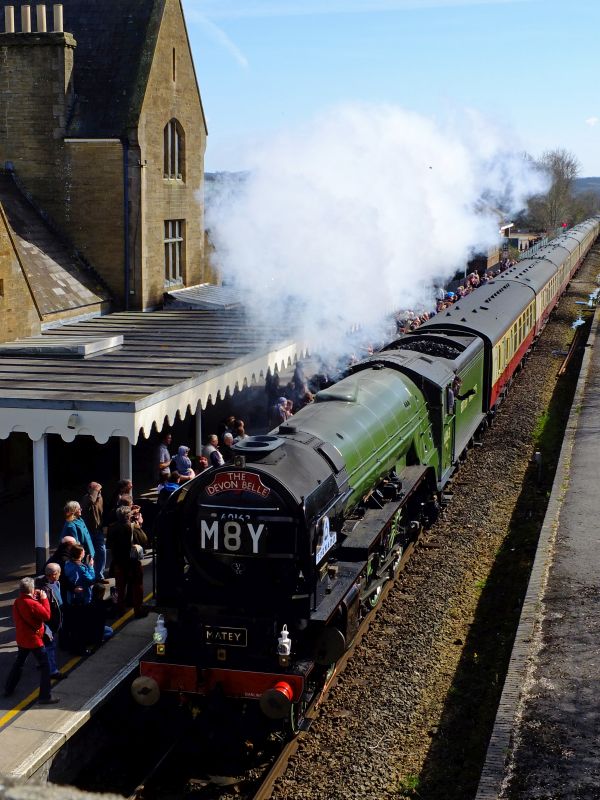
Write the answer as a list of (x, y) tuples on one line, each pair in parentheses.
[(25, 19), (58, 18), (9, 19), (41, 18)]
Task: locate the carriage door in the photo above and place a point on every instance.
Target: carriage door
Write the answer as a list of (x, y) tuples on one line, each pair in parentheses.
[(448, 429)]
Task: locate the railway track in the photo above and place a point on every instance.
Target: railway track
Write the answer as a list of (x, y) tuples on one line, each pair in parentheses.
[(413, 713), (471, 547), (203, 784)]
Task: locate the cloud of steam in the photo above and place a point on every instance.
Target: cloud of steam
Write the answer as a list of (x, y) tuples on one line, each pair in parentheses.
[(362, 212)]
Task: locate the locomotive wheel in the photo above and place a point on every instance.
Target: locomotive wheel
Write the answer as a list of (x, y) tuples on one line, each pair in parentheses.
[(296, 717), (374, 598), (394, 567)]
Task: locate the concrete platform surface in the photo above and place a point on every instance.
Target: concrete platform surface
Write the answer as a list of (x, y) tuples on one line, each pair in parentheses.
[(546, 739), (31, 734)]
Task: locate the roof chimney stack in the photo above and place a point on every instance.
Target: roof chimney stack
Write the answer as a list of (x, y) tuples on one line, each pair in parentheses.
[(25, 19), (9, 19), (58, 18), (41, 18)]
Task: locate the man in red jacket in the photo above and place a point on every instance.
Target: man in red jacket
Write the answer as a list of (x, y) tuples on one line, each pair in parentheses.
[(31, 610)]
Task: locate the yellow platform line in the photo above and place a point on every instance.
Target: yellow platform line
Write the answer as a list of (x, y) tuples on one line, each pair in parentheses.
[(71, 663)]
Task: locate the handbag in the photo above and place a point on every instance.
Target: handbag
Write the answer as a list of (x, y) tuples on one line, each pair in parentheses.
[(136, 553)]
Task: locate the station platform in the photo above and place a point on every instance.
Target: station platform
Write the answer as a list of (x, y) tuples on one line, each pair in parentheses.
[(32, 734), (546, 738)]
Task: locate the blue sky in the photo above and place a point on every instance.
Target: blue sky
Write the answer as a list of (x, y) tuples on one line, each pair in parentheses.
[(530, 67)]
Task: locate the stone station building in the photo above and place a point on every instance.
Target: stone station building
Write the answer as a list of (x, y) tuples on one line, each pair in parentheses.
[(102, 141)]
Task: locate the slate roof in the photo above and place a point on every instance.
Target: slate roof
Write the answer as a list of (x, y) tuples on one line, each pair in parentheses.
[(204, 296), (58, 280), (162, 352), (115, 45)]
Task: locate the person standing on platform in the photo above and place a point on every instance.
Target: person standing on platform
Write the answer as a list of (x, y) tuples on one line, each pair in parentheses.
[(60, 556), (126, 541), (76, 527), (31, 610), (50, 584), (79, 578), (163, 456), (124, 489), (92, 513), (227, 448), (211, 451)]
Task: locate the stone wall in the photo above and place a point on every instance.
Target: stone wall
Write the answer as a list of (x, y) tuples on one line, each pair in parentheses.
[(171, 93), (94, 213), (79, 184), (36, 72), (18, 314)]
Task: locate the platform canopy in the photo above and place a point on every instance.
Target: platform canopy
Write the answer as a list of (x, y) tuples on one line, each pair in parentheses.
[(125, 373)]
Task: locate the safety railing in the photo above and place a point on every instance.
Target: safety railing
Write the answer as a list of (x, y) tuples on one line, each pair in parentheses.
[(531, 251)]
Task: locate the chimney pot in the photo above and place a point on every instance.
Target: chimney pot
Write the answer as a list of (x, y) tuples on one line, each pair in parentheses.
[(58, 18), (41, 18), (25, 19), (9, 19)]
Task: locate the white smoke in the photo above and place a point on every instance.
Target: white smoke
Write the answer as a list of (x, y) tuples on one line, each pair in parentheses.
[(362, 212)]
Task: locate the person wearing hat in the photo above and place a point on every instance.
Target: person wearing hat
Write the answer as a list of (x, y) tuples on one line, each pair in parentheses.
[(278, 412), (92, 513), (183, 463)]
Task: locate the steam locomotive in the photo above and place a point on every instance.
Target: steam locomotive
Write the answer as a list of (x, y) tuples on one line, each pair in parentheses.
[(266, 567)]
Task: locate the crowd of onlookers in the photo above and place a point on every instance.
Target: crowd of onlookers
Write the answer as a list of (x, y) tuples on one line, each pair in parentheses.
[(408, 321), (180, 467), (70, 603)]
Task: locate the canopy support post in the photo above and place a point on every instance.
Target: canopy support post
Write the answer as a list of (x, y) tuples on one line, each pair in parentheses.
[(198, 431), (125, 459), (41, 504)]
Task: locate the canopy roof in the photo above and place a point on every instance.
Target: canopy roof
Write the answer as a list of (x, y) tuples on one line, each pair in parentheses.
[(168, 362)]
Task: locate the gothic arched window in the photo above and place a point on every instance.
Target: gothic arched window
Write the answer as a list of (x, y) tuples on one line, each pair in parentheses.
[(174, 153)]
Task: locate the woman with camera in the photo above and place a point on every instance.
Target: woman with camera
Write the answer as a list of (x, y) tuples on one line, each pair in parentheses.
[(126, 541), (31, 611)]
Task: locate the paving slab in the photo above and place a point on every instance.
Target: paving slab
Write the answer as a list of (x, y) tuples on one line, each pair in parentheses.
[(34, 735), (546, 739)]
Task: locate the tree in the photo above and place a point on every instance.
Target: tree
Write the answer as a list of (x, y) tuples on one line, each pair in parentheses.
[(585, 205), (550, 210)]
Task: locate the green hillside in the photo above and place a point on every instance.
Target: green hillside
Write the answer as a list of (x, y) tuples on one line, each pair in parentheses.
[(587, 185)]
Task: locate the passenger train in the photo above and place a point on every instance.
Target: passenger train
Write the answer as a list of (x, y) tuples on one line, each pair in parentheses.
[(266, 567)]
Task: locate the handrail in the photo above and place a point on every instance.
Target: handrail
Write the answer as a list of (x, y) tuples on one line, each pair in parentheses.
[(531, 251)]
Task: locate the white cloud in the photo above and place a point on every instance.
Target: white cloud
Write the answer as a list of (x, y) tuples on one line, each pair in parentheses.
[(235, 9), (360, 212), (591, 121), (194, 14)]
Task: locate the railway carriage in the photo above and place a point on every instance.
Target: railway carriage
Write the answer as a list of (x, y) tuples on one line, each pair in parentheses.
[(502, 314), (547, 283), (265, 567)]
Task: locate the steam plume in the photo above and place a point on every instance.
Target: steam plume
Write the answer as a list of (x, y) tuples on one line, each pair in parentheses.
[(362, 212)]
